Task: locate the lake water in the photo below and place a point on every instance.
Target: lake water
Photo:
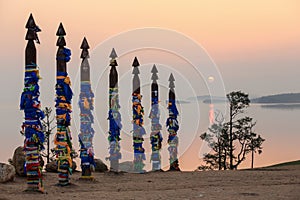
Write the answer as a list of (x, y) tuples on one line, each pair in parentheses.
[(280, 128), (278, 125)]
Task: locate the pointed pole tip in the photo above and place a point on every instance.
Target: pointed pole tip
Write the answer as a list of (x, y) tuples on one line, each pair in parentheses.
[(61, 25), (135, 62), (113, 54), (171, 78), (154, 69), (84, 44), (61, 31), (30, 22)]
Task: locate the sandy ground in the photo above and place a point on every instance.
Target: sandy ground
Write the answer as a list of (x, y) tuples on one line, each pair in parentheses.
[(276, 183)]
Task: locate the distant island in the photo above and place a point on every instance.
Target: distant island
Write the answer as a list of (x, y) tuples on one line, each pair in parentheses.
[(288, 106), (287, 98)]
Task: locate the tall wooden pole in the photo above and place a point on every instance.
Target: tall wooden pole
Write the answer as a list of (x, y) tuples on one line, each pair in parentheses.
[(32, 126), (172, 126), (86, 105), (155, 137), (138, 120), (114, 115), (63, 106)]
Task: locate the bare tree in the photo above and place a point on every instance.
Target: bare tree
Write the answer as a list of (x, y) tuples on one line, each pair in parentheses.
[(255, 146), (217, 139), (238, 101), (48, 128), (233, 139)]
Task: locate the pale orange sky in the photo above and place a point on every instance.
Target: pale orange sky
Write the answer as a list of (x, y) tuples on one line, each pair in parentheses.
[(252, 35), (225, 28), (257, 40)]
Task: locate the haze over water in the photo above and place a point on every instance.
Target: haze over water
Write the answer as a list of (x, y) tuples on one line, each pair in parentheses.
[(255, 45)]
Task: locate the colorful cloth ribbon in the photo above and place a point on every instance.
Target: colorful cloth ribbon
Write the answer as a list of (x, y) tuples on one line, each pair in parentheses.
[(173, 126), (32, 129), (115, 126), (138, 132), (86, 105), (63, 136), (155, 136)]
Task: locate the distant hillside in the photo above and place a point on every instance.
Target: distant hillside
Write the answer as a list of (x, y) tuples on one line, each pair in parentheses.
[(297, 162), (279, 165), (278, 98)]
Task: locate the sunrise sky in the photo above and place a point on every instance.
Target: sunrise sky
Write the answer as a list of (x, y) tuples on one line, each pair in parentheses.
[(255, 44)]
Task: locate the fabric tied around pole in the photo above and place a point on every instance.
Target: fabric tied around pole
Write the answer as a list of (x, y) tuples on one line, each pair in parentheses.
[(63, 136), (155, 136), (115, 127), (32, 129), (138, 133), (67, 55), (86, 135), (172, 127)]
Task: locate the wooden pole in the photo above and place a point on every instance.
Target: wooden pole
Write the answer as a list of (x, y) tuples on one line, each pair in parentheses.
[(114, 115), (172, 126), (86, 105), (32, 126), (138, 117), (155, 137), (63, 106)]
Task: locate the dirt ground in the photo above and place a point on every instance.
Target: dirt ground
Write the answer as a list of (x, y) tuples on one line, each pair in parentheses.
[(273, 183)]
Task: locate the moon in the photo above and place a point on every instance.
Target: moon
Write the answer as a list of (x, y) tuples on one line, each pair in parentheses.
[(210, 79)]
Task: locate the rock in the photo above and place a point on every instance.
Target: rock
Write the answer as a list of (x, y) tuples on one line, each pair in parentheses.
[(126, 166), (52, 166), (7, 172), (100, 166), (18, 161)]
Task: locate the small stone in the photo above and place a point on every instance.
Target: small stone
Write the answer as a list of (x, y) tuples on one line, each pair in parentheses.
[(18, 161), (7, 172), (100, 166), (126, 166), (51, 167)]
